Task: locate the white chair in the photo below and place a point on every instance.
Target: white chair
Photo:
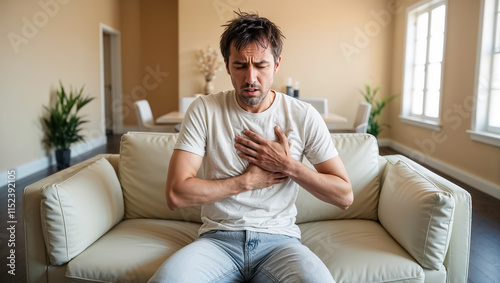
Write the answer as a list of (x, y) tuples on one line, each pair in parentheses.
[(145, 119), (184, 103), (321, 104), (361, 120)]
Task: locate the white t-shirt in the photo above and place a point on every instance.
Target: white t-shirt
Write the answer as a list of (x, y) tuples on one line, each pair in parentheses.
[(210, 125)]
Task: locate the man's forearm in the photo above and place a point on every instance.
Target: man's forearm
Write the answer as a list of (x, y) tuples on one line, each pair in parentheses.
[(326, 187), (184, 189), (330, 182), (194, 191)]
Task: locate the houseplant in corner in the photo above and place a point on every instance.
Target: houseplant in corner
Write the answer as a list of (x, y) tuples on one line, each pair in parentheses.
[(374, 126), (63, 123)]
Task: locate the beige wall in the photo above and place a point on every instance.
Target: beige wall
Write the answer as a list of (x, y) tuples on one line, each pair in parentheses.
[(56, 42), (453, 144), (312, 54), (149, 56)]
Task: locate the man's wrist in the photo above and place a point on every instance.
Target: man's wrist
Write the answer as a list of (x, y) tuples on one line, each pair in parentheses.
[(291, 167)]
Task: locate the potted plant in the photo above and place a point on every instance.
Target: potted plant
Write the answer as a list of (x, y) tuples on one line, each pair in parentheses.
[(63, 123), (374, 126)]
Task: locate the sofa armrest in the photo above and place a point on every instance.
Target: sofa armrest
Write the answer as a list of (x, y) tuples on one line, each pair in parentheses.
[(37, 260), (457, 256)]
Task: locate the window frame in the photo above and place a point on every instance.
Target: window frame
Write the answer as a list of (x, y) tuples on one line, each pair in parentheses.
[(412, 13), (480, 129)]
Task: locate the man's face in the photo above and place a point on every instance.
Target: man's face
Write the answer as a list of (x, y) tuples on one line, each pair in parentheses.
[(252, 71)]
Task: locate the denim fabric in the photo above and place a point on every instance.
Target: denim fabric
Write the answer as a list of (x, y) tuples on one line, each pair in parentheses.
[(243, 256)]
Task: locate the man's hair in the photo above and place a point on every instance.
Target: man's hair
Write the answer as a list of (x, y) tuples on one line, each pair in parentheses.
[(249, 28)]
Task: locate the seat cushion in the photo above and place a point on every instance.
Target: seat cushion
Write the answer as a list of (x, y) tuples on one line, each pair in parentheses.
[(143, 167), (360, 251), (132, 251), (79, 210), (417, 213), (359, 153)]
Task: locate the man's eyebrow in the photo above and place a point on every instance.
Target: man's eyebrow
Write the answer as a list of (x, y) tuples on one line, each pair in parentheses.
[(256, 63)]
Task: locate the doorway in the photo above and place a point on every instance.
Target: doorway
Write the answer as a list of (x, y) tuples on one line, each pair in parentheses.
[(111, 98)]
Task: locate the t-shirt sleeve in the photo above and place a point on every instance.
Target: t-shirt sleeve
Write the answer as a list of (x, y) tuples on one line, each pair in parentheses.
[(193, 133), (319, 146)]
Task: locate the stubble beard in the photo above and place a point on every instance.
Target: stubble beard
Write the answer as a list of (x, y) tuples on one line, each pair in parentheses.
[(254, 100)]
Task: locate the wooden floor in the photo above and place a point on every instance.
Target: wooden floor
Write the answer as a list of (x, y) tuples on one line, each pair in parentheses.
[(484, 264)]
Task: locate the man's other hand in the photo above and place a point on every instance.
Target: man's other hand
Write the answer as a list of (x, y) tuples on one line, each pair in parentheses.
[(273, 156)]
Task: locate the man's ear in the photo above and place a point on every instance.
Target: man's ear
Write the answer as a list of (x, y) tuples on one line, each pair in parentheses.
[(277, 67)]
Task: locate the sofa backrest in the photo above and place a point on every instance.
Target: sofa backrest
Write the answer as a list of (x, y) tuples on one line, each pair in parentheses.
[(144, 161), (359, 153), (143, 166)]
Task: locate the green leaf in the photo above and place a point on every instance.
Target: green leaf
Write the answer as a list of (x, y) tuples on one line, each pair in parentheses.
[(62, 123), (369, 94)]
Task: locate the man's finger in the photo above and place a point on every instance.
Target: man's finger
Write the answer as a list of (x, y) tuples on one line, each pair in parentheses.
[(245, 142), (283, 139), (244, 148), (254, 136)]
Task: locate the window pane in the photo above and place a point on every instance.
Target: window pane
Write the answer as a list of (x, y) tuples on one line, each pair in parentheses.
[(417, 100), (494, 117), (436, 48), (438, 20), (420, 51), (419, 78), (422, 24), (432, 104), (495, 78), (434, 76), (497, 37)]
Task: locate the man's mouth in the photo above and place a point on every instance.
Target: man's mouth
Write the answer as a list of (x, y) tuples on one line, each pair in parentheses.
[(251, 90)]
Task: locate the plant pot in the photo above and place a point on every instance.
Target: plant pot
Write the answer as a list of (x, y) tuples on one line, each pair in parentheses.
[(63, 156)]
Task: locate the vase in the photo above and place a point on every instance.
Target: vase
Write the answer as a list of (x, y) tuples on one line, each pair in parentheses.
[(209, 87), (63, 156)]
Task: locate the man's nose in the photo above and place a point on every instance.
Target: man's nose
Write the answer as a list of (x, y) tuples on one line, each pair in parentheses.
[(251, 75)]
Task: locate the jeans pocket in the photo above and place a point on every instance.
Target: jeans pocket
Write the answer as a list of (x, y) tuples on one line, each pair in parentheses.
[(210, 233)]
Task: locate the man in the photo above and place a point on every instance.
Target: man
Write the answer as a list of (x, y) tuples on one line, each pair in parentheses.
[(250, 142)]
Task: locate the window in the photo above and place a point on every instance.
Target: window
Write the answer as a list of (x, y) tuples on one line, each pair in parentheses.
[(425, 34), (486, 116)]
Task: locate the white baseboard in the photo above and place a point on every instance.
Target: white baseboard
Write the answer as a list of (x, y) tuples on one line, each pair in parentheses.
[(472, 180), (43, 163)]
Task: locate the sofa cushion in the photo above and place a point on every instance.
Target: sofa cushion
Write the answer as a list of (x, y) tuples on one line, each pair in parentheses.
[(360, 251), (132, 251), (143, 166), (417, 213), (79, 210), (359, 153)]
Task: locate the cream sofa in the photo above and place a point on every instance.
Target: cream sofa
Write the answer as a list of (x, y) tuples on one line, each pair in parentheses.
[(106, 220)]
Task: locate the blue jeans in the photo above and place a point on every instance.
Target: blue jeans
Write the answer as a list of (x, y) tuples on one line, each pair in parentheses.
[(243, 256)]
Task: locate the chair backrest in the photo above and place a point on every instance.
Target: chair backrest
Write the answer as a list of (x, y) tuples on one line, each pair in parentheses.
[(321, 104), (184, 103), (144, 114), (362, 117)]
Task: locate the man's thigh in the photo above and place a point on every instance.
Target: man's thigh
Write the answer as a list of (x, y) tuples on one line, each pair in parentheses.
[(201, 261), (292, 262)]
